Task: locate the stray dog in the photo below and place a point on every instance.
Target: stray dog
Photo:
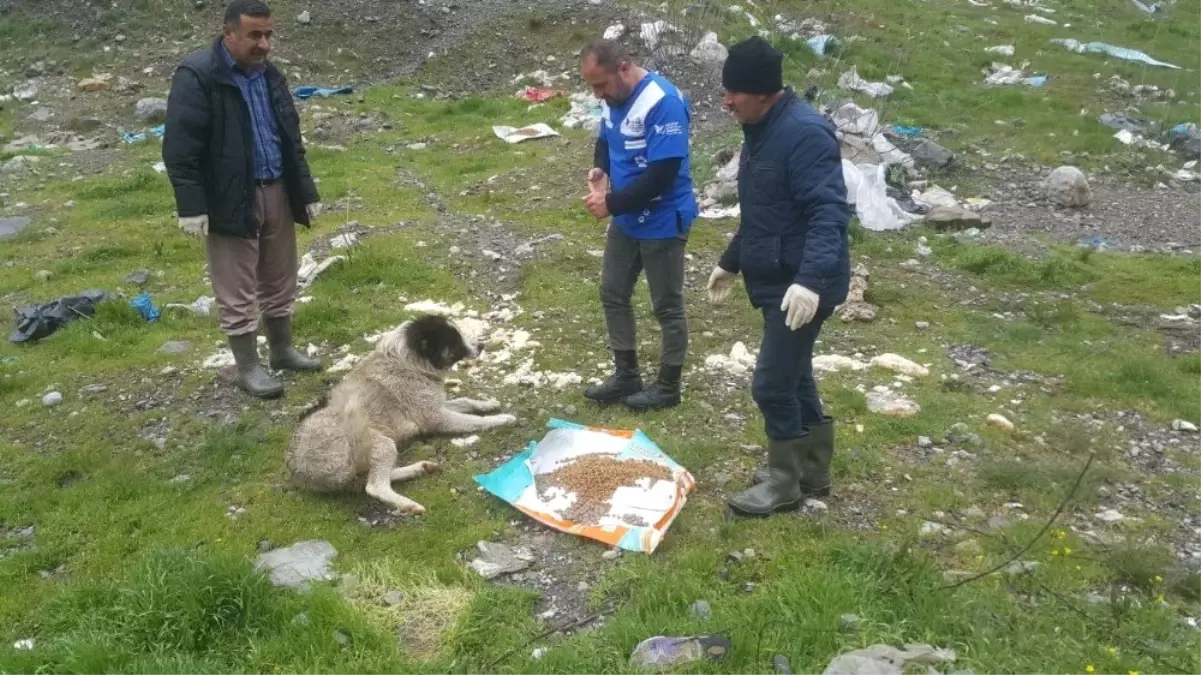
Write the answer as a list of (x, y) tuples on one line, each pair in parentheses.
[(392, 397)]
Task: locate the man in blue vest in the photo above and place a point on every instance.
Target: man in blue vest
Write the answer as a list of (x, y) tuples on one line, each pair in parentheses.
[(793, 254), (642, 155)]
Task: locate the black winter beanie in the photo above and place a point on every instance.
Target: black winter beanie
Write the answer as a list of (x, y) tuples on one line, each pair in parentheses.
[(753, 67)]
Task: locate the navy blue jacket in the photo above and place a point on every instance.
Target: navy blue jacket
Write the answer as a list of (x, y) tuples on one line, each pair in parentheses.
[(794, 207)]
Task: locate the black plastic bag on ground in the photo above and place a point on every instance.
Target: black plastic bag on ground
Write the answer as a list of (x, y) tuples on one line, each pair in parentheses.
[(35, 323)]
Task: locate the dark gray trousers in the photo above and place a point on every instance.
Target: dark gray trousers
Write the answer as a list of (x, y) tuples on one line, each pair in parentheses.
[(663, 260)]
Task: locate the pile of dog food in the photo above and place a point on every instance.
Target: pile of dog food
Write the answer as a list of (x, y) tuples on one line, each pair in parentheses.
[(593, 479)]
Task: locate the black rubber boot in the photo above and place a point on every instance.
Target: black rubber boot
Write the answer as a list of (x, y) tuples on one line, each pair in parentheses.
[(283, 355), (623, 382), (251, 376), (664, 393), (782, 489), (815, 466)]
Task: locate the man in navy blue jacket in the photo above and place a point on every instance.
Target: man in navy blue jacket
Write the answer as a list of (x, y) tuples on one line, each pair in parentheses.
[(792, 251)]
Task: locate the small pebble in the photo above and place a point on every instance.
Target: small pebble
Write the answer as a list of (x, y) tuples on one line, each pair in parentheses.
[(52, 399)]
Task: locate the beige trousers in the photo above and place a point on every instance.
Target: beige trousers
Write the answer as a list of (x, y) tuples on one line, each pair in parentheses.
[(263, 269)]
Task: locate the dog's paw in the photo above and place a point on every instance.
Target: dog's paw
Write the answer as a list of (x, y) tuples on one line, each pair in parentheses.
[(410, 509), (429, 467), (503, 420), (487, 405)]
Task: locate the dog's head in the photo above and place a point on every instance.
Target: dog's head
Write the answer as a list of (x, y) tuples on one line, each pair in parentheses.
[(434, 340)]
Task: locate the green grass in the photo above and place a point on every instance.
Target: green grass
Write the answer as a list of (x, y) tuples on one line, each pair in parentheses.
[(135, 565)]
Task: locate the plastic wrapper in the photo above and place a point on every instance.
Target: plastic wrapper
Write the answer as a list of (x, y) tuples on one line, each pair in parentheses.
[(634, 517)]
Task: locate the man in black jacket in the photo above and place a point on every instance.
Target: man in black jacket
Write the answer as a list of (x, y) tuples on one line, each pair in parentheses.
[(236, 161), (642, 152), (793, 253)]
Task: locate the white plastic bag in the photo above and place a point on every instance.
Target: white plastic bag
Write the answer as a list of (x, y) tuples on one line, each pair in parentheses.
[(867, 191)]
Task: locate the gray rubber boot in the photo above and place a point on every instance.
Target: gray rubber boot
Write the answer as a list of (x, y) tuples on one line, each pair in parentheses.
[(815, 467), (782, 489), (283, 355), (251, 376)]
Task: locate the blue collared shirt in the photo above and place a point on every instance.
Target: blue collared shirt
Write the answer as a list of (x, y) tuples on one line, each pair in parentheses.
[(268, 160)]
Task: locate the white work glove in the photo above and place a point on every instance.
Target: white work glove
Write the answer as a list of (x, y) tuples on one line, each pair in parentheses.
[(720, 283), (313, 210), (800, 304), (196, 226)]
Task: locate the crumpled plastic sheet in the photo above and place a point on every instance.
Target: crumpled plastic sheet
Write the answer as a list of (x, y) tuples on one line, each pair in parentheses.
[(658, 503), (307, 92), (661, 652), (526, 133), (35, 323), (887, 660), (1116, 52), (867, 190), (851, 81)]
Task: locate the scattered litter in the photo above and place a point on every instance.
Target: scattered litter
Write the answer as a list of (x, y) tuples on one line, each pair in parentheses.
[(821, 43), (954, 218), (1116, 52), (614, 486), (344, 365), (527, 133), (856, 307), (539, 94), (652, 33), (221, 360), (614, 32), (739, 362), (851, 81), (139, 136), (861, 140), (310, 268), (1096, 241), (307, 92), (880, 659), (159, 167), (900, 364), (202, 306), (998, 421), (889, 402), (908, 132), (1120, 121), (585, 113), (1185, 140), (1150, 9), (935, 196), (1005, 50), (867, 190), (1035, 18), (664, 653), (35, 323), (497, 559), (718, 212), (145, 307), (297, 565), (1184, 425), (999, 73), (709, 50), (930, 155), (24, 645), (345, 240), (432, 307)]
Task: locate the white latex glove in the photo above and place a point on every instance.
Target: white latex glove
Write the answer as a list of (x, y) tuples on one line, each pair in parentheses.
[(720, 283), (314, 210), (800, 304), (196, 226)]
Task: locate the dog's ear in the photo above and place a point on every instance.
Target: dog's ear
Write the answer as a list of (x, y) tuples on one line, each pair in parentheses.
[(436, 341)]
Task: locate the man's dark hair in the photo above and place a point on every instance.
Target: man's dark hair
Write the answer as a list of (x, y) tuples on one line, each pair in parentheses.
[(608, 53), (240, 8)]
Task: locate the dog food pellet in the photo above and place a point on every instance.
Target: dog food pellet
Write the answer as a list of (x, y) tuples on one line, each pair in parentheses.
[(593, 479)]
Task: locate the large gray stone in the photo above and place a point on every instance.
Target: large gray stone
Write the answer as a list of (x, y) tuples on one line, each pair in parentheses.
[(1067, 186), (11, 227), (299, 564), (152, 110)]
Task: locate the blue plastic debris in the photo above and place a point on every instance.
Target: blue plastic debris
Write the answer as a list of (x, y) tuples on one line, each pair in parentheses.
[(1097, 242), (139, 136), (1116, 52), (820, 43), (307, 92), (145, 307), (907, 131)]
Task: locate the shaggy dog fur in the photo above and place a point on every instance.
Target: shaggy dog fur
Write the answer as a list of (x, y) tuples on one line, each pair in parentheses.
[(391, 397)]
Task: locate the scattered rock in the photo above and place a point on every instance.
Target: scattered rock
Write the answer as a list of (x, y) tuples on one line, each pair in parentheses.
[(94, 84), (151, 110), (11, 227), (43, 275), (664, 653), (931, 155), (176, 347), (932, 529), (969, 547), (497, 559), (882, 659), (93, 389), (856, 307), (974, 513), (899, 364), (924, 442), (342, 638), (954, 218), (701, 610), (1067, 186), (297, 565), (304, 18), (1019, 568), (27, 91), (781, 664), (52, 399), (1110, 516), (891, 403), (611, 554), (1184, 425), (138, 278), (815, 505), (392, 598), (1000, 422)]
